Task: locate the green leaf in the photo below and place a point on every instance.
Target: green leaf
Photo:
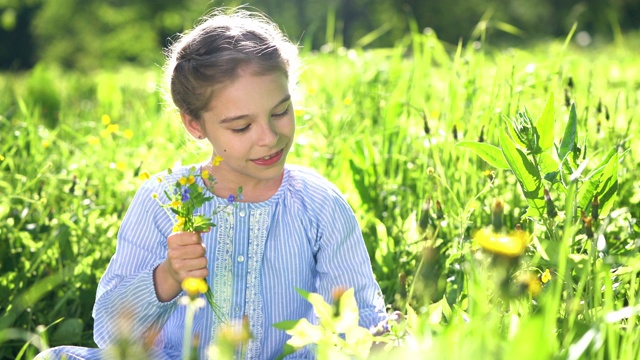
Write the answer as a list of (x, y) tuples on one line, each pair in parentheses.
[(286, 324), (570, 133), (544, 125), (286, 351), (489, 153), (527, 174), (604, 182)]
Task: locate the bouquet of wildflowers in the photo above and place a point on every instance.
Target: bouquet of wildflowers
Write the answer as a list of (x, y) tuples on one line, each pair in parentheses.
[(185, 197)]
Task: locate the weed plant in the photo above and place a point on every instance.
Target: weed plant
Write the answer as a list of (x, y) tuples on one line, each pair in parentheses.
[(398, 131)]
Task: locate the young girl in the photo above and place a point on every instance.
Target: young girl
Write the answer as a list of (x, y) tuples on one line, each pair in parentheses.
[(231, 78)]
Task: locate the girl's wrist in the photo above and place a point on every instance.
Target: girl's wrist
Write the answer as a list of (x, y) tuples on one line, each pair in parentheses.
[(165, 284)]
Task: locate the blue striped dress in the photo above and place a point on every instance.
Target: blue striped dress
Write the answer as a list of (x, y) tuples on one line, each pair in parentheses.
[(305, 236)]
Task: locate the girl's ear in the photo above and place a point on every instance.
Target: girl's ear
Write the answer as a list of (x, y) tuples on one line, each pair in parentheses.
[(193, 126)]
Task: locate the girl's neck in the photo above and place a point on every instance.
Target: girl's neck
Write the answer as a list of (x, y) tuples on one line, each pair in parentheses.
[(252, 191)]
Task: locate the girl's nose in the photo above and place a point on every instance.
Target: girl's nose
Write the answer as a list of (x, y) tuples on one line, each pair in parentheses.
[(268, 135)]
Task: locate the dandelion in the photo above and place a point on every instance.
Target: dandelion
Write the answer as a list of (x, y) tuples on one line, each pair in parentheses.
[(176, 203), (128, 134), (191, 179), (182, 181), (529, 282), (113, 128), (217, 160), (106, 119), (144, 175), (119, 165), (93, 140), (194, 287), (510, 245), (205, 174)]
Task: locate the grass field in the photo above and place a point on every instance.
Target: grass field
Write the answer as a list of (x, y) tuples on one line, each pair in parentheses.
[(532, 253)]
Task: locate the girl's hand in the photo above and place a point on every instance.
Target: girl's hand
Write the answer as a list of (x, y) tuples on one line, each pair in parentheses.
[(185, 258)]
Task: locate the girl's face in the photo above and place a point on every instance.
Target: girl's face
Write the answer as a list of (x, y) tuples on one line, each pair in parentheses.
[(251, 124)]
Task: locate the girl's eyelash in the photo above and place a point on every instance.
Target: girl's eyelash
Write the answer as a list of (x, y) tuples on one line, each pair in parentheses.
[(241, 130), (281, 114), (278, 115)]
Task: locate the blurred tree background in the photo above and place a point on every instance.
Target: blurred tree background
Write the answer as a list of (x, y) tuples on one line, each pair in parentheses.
[(86, 34)]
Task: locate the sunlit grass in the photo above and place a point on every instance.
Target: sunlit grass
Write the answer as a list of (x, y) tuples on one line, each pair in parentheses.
[(383, 126)]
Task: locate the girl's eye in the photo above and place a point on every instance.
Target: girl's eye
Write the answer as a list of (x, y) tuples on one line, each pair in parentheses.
[(241, 130), (282, 114)]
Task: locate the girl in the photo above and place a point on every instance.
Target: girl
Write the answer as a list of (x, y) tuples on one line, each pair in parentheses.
[(231, 79)]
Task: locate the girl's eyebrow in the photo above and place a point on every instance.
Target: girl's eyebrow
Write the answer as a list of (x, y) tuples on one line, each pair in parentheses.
[(229, 119)]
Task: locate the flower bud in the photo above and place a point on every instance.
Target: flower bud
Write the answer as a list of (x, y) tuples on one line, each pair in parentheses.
[(439, 211), (551, 208), (425, 123), (496, 216), (594, 208)]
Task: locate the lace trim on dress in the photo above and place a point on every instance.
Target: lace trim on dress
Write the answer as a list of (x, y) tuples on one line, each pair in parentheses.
[(223, 278), (259, 223)]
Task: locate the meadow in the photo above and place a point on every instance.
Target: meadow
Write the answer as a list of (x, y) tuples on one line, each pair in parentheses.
[(495, 188)]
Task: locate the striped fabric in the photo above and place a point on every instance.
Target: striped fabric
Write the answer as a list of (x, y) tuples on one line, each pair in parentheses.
[(305, 236)]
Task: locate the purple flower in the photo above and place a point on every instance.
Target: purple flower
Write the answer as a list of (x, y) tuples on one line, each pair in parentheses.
[(185, 194), (231, 198)]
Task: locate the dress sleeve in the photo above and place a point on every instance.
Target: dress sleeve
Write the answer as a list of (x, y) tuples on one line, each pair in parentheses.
[(343, 261), (126, 300)]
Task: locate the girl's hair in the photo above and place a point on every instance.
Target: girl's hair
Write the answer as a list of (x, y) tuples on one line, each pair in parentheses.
[(211, 55)]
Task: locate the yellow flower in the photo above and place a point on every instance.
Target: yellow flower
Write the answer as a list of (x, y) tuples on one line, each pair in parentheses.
[(113, 128), (179, 221), (191, 179), (106, 119), (144, 176), (546, 276), (159, 178), (217, 160), (194, 287), (299, 112), (45, 143), (128, 134), (176, 228), (182, 181), (176, 203), (1, 158), (205, 174), (154, 195), (510, 245), (93, 140), (531, 283), (118, 165), (347, 101)]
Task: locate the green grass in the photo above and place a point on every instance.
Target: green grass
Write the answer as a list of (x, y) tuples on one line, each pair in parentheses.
[(380, 124)]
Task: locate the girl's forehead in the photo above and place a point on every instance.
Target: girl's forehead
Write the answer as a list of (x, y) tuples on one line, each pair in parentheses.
[(250, 90)]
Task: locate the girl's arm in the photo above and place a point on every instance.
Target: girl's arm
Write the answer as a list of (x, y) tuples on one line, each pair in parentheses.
[(126, 300)]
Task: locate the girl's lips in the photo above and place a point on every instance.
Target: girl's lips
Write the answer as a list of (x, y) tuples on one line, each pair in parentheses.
[(272, 159)]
